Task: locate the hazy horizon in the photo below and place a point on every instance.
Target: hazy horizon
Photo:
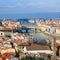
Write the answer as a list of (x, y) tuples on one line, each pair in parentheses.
[(31, 15), (29, 8)]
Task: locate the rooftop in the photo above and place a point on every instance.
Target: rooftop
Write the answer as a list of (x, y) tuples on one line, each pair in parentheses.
[(37, 47)]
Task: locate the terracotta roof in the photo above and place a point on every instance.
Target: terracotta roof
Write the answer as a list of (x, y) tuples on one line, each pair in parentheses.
[(1, 58), (7, 55), (19, 35), (18, 42), (52, 25), (37, 47), (1, 39), (6, 48)]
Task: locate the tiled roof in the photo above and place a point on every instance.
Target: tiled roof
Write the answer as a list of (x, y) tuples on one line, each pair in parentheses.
[(18, 42), (19, 35), (37, 47)]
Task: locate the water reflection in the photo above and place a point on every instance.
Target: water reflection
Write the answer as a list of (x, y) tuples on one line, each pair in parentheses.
[(39, 37)]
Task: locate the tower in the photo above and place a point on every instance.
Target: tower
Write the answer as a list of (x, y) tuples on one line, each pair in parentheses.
[(53, 46)]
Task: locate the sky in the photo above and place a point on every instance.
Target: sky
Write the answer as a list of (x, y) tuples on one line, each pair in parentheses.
[(29, 6)]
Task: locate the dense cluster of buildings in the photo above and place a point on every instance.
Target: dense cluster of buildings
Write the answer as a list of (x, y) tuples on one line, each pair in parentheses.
[(14, 45), (9, 25), (52, 26)]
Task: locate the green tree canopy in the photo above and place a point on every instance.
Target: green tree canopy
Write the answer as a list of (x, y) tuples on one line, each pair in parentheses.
[(31, 58), (1, 23)]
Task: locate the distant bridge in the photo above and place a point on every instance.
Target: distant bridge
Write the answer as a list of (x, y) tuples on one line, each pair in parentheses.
[(25, 27)]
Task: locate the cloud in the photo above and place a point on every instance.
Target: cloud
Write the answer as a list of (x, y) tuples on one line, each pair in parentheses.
[(21, 6), (17, 3)]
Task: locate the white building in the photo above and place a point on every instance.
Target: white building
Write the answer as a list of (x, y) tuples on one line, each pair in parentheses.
[(35, 49)]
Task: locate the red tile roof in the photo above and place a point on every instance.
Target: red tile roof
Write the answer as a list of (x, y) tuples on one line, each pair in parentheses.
[(18, 42), (19, 34), (7, 55), (1, 58), (37, 47)]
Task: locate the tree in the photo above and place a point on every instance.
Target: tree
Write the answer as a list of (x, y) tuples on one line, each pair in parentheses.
[(0, 23), (31, 58)]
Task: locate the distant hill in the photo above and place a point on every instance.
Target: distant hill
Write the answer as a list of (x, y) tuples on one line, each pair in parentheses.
[(31, 15)]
